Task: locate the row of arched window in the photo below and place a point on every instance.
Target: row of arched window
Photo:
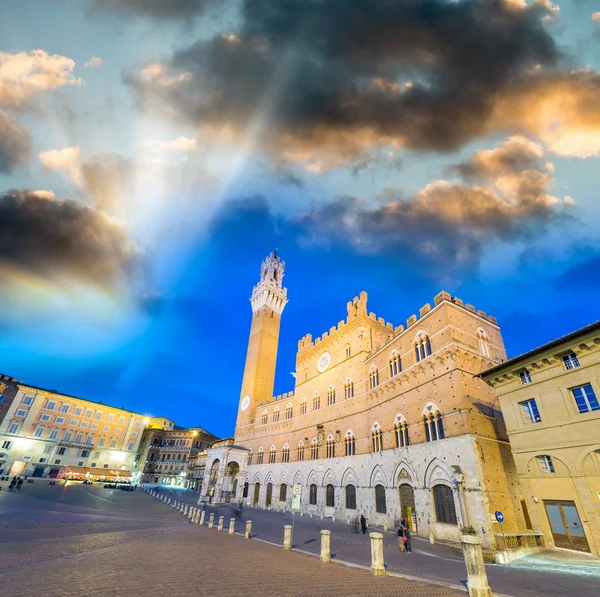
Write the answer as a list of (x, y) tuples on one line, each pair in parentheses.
[(432, 422)]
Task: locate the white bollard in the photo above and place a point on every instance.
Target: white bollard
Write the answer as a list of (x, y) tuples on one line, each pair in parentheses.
[(287, 537), (476, 575), (211, 520), (248, 534), (220, 526), (377, 563), (325, 545), (231, 526), (202, 515)]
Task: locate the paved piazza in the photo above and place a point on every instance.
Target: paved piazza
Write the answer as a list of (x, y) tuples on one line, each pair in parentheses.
[(87, 540)]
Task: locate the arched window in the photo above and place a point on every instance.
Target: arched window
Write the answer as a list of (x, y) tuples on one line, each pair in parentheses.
[(303, 406), (331, 396), (525, 377), (373, 377), (434, 425), (285, 453), (312, 497), (484, 342), (330, 496), (272, 454), (316, 401), (445, 511), (330, 447), (288, 412), (349, 389), (395, 364), (376, 438), (261, 454), (276, 415), (300, 451), (350, 443), (250, 457), (282, 492), (401, 432), (380, 505), (348, 351), (314, 449), (245, 492), (265, 417), (350, 497), (422, 346)]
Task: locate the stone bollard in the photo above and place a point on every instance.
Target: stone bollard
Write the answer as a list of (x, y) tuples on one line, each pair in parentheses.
[(192, 513), (476, 574), (202, 515), (221, 520), (325, 546), (211, 520), (248, 534), (431, 537), (231, 526), (185, 510), (377, 564), (287, 537)]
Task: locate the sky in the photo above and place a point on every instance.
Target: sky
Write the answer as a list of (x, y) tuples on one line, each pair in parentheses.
[(153, 152)]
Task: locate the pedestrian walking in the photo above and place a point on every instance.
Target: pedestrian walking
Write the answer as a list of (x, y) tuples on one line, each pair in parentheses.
[(403, 523), (356, 525), (19, 483), (363, 524), (408, 539), (401, 539)]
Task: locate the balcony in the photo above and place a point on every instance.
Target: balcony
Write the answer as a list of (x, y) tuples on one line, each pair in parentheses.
[(74, 444)]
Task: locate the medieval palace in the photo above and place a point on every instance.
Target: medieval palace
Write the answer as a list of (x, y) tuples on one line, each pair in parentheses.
[(389, 421)]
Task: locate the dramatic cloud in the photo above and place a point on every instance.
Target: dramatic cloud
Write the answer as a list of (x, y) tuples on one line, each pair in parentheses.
[(94, 62), (596, 17), (15, 144), (64, 160), (325, 83), (156, 9), (62, 239), (182, 144), (43, 194), (446, 226), (25, 75)]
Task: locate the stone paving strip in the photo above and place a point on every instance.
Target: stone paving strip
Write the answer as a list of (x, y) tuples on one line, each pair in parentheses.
[(193, 560)]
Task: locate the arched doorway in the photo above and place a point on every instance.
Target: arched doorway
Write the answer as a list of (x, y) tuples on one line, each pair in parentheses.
[(269, 494), (230, 482), (212, 479), (256, 494), (407, 506), (246, 487)]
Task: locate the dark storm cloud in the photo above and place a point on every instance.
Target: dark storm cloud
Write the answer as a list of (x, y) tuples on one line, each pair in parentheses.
[(156, 9), (62, 238), (15, 144), (339, 78)]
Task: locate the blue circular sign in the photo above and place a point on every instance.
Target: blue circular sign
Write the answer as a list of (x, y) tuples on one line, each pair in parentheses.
[(499, 516)]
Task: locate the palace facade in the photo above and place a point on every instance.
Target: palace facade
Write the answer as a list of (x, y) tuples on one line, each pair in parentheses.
[(389, 421)]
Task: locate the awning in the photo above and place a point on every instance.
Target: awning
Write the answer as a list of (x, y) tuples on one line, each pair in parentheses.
[(76, 470), (100, 472), (126, 474)]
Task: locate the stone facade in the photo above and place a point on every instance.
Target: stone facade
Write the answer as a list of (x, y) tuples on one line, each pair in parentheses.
[(550, 400), (388, 409)]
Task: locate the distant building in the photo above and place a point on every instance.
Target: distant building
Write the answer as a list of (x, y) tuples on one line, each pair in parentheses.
[(48, 434), (550, 398), (389, 421), (172, 455)]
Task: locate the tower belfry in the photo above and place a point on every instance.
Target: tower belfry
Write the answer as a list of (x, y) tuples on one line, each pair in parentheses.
[(268, 300)]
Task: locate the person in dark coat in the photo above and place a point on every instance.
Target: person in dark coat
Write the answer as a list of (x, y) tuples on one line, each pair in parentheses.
[(19, 483), (363, 524), (408, 539)]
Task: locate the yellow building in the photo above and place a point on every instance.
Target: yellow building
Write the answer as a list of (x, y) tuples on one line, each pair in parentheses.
[(550, 401), (48, 434)]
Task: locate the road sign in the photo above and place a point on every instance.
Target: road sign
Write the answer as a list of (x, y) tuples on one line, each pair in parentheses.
[(296, 496), (499, 516)]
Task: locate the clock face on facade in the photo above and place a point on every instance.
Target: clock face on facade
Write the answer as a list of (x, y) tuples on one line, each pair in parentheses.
[(245, 402), (323, 362)]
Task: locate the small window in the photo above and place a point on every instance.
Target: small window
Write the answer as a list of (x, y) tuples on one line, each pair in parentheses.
[(85, 453), (79, 438), (445, 510), (261, 453), (300, 452), (113, 443), (288, 412), (14, 427), (285, 454), (314, 449), (525, 377), (51, 405), (330, 447), (83, 424), (88, 413), (331, 396), (422, 347), (377, 439), (57, 461), (23, 413), (585, 398), (110, 418), (39, 431), (303, 407), (330, 496), (282, 492), (395, 364), (95, 426), (106, 428), (59, 420), (53, 434), (380, 505), (530, 410), (265, 417), (272, 455), (570, 360), (276, 415), (27, 400), (546, 464), (373, 378), (313, 495), (78, 410), (401, 432), (350, 497), (350, 444), (348, 351), (316, 402), (6, 445), (98, 415), (349, 389), (64, 408)]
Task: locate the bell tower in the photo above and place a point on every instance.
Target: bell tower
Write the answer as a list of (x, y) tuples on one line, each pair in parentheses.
[(268, 300)]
